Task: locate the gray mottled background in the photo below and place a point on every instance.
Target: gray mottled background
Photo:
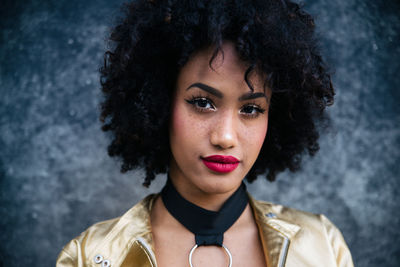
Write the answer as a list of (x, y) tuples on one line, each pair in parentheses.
[(56, 178)]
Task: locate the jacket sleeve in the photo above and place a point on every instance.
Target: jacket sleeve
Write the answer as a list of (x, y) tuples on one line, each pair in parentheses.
[(339, 247), (70, 255)]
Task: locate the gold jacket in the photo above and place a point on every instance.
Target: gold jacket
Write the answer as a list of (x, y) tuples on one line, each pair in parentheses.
[(289, 238)]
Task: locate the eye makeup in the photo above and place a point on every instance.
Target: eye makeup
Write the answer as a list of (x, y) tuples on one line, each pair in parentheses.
[(201, 103), (255, 107), (205, 104), (219, 94)]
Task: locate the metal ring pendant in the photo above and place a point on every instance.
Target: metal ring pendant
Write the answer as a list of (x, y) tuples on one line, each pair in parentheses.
[(196, 246)]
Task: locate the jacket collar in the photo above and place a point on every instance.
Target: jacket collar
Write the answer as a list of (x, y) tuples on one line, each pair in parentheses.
[(275, 233), (130, 242)]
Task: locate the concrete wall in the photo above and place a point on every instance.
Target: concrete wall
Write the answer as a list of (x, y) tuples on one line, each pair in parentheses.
[(56, 178)]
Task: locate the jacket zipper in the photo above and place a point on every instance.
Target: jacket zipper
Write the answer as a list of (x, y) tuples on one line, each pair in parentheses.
[(148, 250), (284, 250)]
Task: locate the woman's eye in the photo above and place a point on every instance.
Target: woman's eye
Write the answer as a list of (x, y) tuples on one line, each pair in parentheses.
[(201, 103), (252, 110), (204, 104)]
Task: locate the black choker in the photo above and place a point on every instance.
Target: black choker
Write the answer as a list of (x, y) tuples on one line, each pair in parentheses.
[(207, 226)]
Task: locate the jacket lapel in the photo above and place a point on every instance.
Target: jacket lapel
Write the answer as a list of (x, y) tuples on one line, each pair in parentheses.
[(140, 254), (275, 233), (130, 242)]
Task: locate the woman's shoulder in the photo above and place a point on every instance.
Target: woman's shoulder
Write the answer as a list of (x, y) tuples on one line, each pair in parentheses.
[(95, 241), (306, 232), (299, 217)]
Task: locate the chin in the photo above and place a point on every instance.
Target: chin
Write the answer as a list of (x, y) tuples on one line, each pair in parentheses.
[(219, 184)]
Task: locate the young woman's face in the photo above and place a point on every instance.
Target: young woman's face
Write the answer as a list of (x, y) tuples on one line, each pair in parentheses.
[(216, 117)]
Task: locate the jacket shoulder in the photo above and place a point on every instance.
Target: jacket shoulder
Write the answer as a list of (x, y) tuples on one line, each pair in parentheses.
[(313, 232), (298, 217), (73, 253), (98, 237), (305, 220)]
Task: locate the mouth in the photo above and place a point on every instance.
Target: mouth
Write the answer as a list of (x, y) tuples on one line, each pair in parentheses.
[(220, 163)]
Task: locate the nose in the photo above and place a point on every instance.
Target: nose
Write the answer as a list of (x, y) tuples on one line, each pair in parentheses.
[(223, 131)]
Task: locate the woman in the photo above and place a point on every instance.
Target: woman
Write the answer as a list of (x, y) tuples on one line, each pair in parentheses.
[(212, 93)]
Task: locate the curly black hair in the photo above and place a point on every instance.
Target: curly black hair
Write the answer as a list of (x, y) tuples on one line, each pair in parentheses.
[(155, 38)]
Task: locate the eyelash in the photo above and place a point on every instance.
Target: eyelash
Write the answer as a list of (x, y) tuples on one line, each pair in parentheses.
[(194, 102)]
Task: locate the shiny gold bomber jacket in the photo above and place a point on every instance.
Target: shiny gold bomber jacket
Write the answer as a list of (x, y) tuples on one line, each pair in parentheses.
[(289, 238)]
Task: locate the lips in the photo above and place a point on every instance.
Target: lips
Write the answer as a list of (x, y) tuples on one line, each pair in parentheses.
[(220, 163)]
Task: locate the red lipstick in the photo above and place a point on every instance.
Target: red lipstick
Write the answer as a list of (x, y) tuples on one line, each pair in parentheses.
[(220, 163)]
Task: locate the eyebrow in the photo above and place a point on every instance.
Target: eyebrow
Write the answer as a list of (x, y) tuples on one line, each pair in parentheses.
[(219, 94)]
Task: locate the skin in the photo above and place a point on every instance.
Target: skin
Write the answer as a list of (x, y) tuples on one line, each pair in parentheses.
[(201, 125), (226, 129)]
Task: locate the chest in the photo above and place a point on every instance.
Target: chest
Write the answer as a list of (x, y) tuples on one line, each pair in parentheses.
[(173, 248)]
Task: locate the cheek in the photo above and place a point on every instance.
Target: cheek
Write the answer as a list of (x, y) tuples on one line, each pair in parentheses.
[(176, 123), (255, 138), (180, 123), (262, 134), (185, 129)]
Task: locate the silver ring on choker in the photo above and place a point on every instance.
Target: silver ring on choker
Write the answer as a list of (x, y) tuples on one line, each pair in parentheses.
[(196, 246)]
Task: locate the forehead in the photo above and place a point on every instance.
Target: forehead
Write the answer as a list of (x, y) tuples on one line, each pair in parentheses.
[(227, 71)]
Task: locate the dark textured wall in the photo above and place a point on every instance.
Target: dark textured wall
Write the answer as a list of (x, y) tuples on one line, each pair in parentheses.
[(56, 177)]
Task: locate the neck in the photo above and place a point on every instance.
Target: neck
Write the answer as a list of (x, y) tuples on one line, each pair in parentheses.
[(204, 200), (210, 197), (208, 226)]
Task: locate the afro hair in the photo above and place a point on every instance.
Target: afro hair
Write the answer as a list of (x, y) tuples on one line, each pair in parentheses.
[(155, 38)]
